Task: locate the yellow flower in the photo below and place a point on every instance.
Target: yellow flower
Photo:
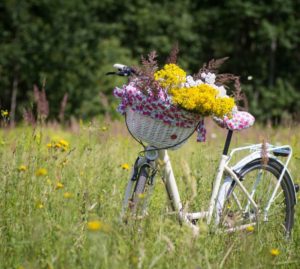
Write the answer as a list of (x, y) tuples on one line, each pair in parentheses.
[(57, 145), (40, 205), (170, 76), (104, 128), (141, 195), (59, 185), (64, 143), (97, 225), (49, 145), (250, 229), (22, 168), (274, 252), (41, 172), (202, 99), (94, 225), (125, 166), (68, 195), (4, 113)]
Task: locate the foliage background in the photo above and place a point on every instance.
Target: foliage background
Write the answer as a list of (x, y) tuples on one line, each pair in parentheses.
[(72, 44)]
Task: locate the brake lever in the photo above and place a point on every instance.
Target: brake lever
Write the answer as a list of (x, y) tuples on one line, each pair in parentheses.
[(111, 73)]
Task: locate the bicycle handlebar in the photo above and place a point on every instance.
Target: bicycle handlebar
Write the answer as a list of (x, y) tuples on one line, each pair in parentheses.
[(123, 70)]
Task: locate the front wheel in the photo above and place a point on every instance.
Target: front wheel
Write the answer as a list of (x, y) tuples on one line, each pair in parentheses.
[(138, 193), (260, 181)]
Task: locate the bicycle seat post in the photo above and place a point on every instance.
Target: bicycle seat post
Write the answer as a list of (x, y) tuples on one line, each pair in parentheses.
[(227, 142)]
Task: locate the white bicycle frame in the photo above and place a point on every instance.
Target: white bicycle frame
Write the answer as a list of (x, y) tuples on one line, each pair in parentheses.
[(218, 192)]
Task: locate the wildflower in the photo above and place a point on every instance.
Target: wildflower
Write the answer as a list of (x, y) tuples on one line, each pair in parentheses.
[(49, 145), (49, 182), (98, 225), (202, 99), (4, 113), (141, 195), (94, 225), (41, 172), (22, 168), (250, 229), (104, 128), (57, 145), (274, 252), (59, 185), (64, 143), (125, 166), (170, 76), (68, 195), (40, 205)]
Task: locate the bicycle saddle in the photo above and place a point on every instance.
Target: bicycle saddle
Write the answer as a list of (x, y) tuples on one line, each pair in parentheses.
[(238, 121)]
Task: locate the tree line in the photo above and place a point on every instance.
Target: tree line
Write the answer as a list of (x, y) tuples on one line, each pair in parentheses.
[(66, 47)]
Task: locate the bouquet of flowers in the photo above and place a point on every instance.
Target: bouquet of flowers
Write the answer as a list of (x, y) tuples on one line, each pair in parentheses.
[(164, 106)]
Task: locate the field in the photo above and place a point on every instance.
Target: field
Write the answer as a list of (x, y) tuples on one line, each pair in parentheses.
[(61, 193)]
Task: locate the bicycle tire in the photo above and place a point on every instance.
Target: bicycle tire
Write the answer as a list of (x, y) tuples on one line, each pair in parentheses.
[(281, 213), (138, 201)]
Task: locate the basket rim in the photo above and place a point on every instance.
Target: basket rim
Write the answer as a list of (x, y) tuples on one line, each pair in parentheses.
[(140, 139)]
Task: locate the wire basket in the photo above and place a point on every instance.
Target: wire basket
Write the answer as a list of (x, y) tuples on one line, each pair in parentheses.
[(155, 132)]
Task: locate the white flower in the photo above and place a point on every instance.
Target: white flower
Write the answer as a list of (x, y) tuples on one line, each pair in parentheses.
[(222, 91), (210, 78), (190, 82)]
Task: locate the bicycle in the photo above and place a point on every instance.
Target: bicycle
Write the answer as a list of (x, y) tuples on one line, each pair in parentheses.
[(252, 191)]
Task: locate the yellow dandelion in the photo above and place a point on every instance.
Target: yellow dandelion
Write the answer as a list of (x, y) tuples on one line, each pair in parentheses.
[(40, 205), (59, 185), (104, 128), (41, 172), (57, 145), (64, 143), (274, 252), (95, 225), (68, 195), (250, 229), (22, 168), (49, 145), (125, 166)]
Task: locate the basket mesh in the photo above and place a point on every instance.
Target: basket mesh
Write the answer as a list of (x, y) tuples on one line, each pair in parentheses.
[(155, 132)]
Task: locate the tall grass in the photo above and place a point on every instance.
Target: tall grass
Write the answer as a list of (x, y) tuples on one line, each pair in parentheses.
[(54, 183)]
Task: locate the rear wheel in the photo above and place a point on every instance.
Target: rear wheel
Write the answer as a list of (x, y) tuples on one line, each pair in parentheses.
[(260, 181)]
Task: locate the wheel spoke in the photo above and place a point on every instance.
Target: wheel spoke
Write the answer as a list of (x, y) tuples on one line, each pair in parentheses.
[(260, 180)]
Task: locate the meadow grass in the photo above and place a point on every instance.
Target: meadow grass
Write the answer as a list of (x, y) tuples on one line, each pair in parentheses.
[(61, 194)]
